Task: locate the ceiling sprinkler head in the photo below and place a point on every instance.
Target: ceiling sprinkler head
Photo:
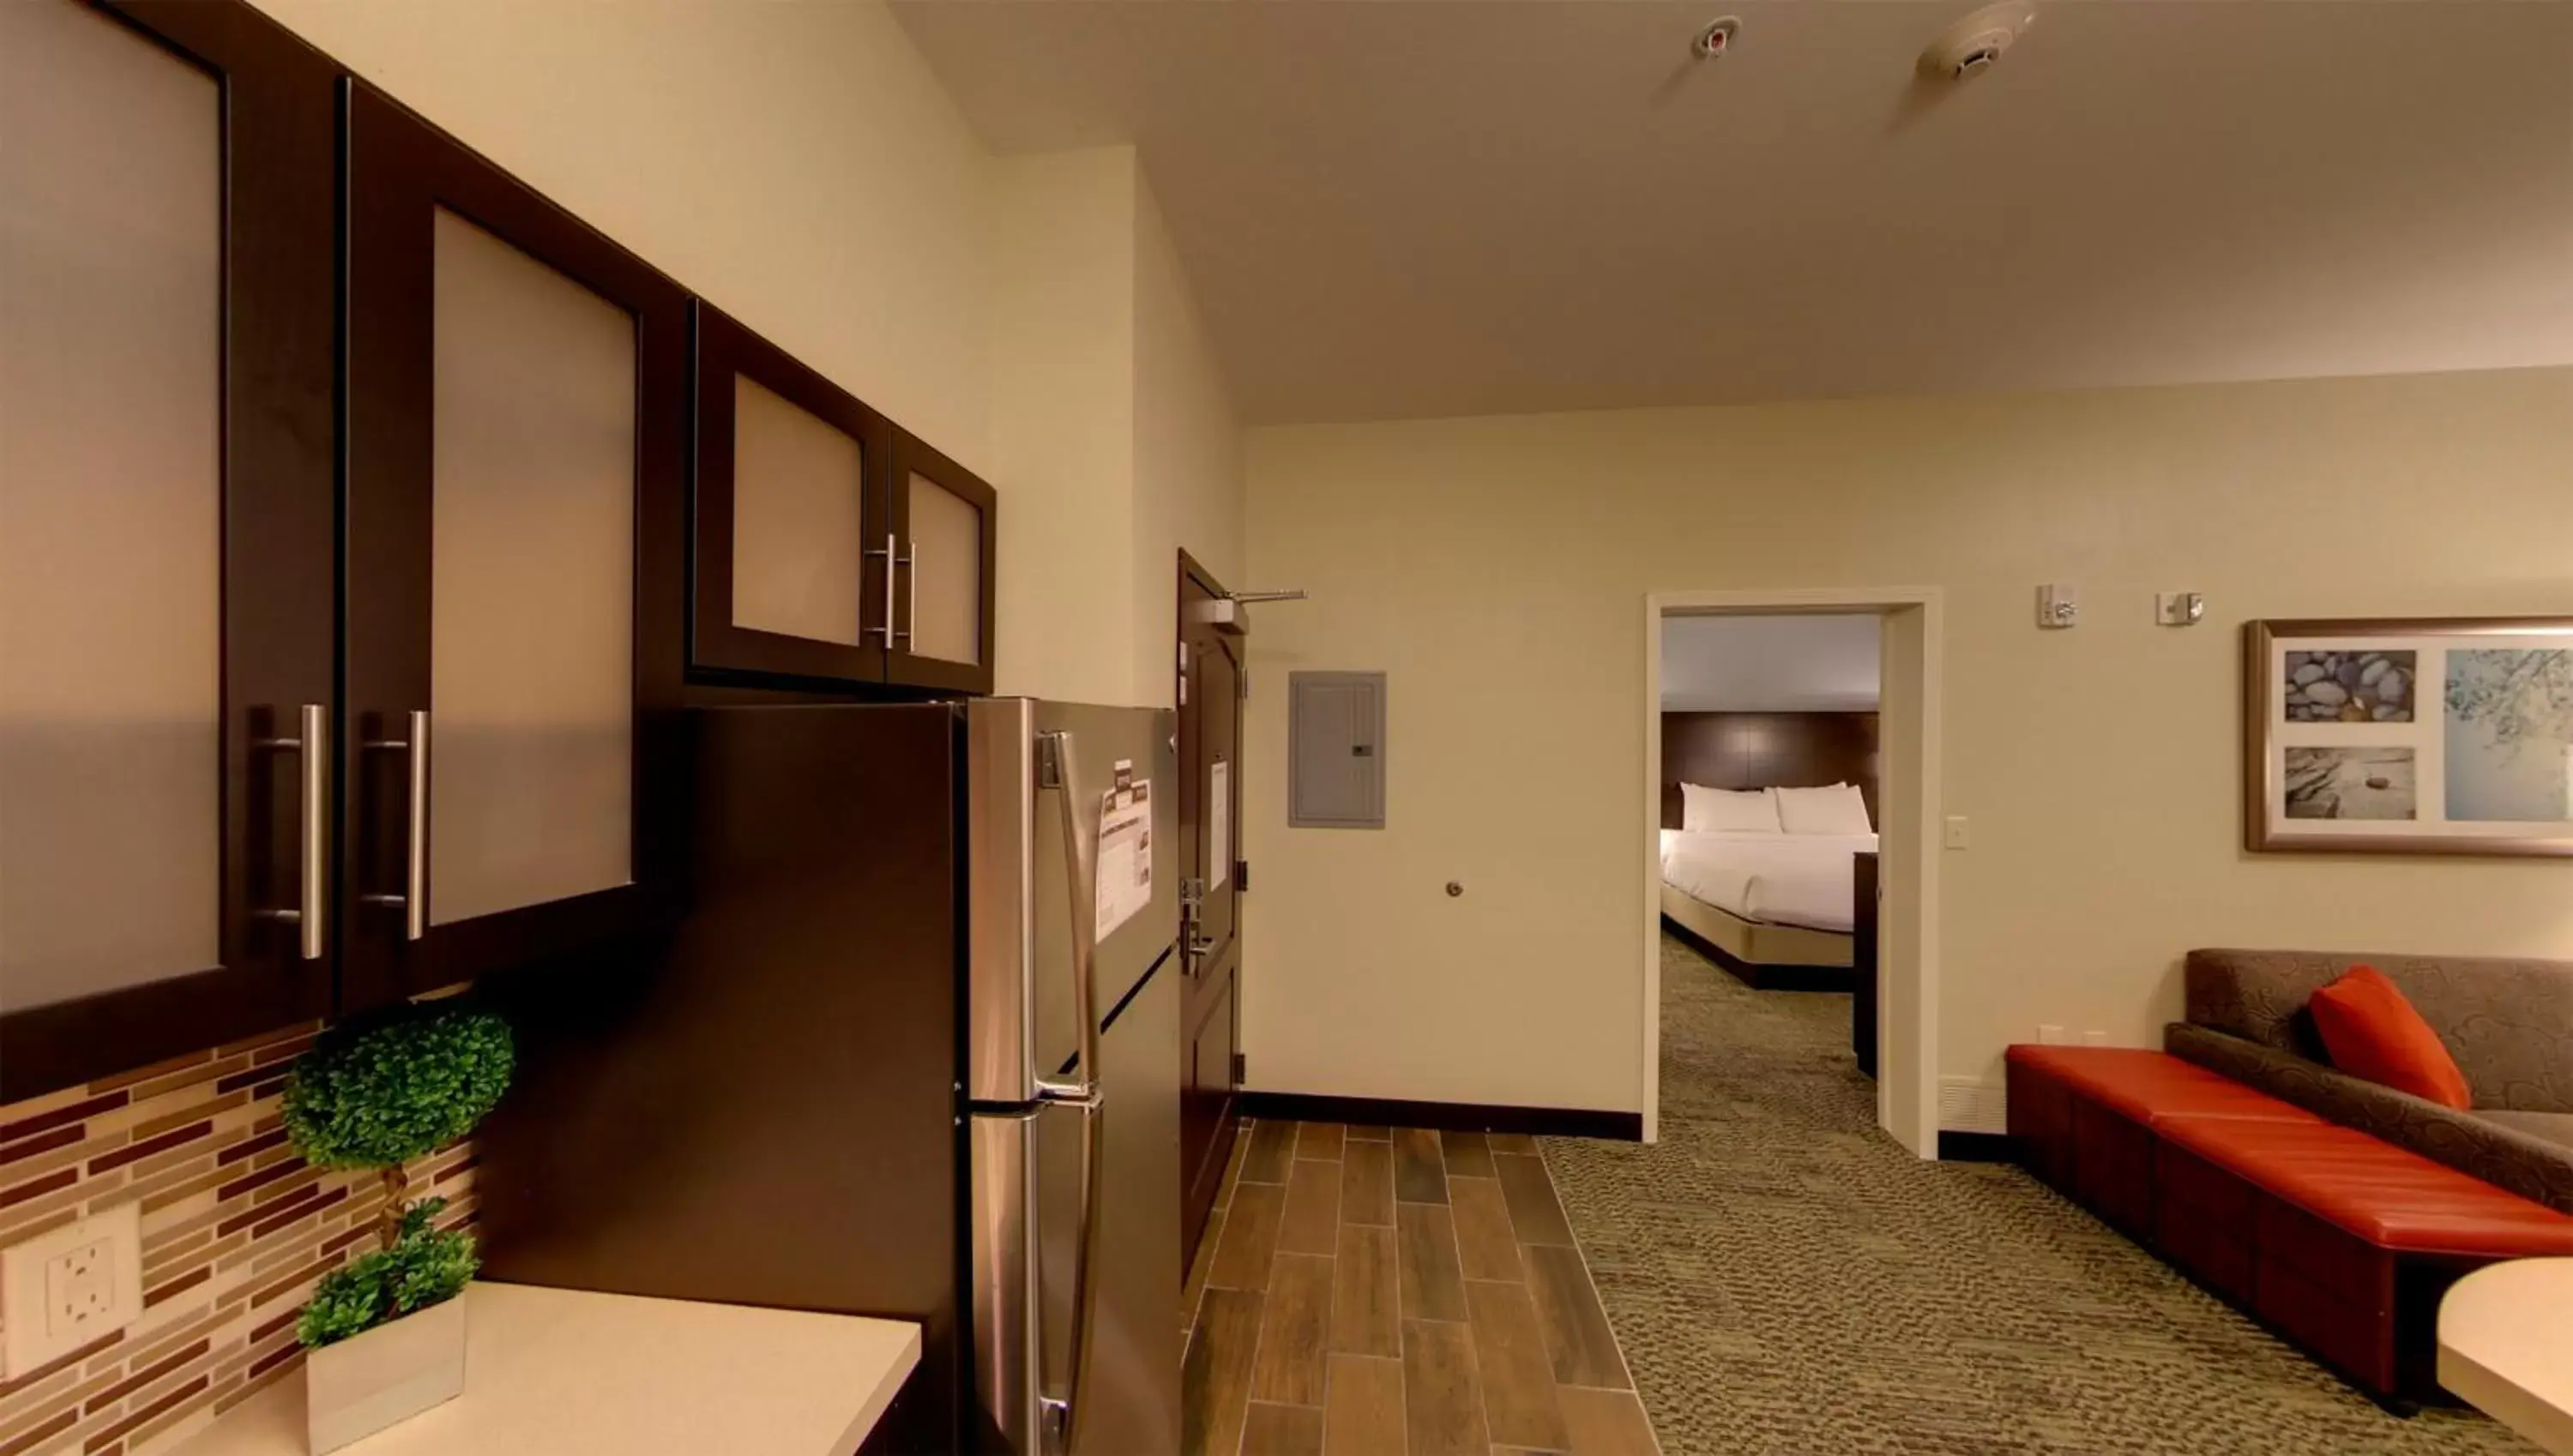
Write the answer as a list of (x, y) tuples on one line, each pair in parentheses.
[(1717, 38), (1972, 45)]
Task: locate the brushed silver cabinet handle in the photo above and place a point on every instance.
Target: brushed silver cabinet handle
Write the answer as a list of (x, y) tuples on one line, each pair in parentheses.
[(415, 856), (311, 748), (885, 631), (909, 562), (414, 901)]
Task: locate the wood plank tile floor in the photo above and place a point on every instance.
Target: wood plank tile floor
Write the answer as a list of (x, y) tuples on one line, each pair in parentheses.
[(1375, 1291)]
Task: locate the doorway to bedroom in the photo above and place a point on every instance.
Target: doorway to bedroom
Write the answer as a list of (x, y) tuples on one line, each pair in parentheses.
[(1791, 766), (1769, 793)]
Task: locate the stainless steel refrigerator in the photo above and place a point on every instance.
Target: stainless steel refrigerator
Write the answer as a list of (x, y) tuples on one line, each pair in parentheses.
[(905, 1044)]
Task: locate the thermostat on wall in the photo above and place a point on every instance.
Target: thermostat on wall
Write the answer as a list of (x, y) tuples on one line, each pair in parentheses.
[(2057, 606)]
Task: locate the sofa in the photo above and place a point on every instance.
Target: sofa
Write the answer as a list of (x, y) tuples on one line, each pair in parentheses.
[(2509, 1024), (2337, 1211)]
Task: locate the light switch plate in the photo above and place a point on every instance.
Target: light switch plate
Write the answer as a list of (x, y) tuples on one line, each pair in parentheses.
[(2179, 608), (64, 1289)]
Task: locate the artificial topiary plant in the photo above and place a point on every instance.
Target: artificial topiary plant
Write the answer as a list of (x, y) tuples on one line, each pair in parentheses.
[(379, 1095)]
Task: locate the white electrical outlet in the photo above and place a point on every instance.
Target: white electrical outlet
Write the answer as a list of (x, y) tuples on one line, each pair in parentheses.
[(2049, 1035), (2095, 1038), (64, 1289), (80, 1285)]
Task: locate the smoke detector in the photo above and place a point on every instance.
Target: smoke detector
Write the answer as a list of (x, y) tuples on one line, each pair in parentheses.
[(1717, 38), (1973, 44)]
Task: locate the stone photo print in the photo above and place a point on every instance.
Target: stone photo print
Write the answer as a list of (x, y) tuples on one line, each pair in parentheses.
[(2351, 687), (2438, 736)]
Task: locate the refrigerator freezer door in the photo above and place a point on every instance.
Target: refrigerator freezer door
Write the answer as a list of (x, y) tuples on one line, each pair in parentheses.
[(1131, 1406), (1134, 1392), (1008, 1346)]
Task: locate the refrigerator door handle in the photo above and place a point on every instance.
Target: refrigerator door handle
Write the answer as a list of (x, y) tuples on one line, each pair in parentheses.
[(1063, 1413), (1059, 768)]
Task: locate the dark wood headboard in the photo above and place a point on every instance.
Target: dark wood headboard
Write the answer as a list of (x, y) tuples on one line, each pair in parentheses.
[(1767, 750)]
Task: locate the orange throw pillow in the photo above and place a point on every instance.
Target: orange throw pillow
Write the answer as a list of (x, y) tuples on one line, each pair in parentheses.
[(2372, 1032)]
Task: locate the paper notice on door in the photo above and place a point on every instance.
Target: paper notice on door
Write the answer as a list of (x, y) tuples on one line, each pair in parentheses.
[(1125, 851), (1220, 822)]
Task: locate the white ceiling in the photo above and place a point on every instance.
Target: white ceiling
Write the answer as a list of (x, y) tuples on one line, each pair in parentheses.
[(1405, 208), (1772, 664)]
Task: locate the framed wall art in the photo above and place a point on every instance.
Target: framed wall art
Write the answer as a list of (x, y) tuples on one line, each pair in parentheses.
[(2449, 736)]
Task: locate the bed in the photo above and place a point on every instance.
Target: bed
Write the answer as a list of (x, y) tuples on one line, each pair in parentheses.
[(1775, 909)]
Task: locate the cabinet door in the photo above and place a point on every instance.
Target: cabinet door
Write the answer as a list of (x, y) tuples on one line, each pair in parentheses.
[(793, 542), (166, 532), (515, 449), (943, 530)]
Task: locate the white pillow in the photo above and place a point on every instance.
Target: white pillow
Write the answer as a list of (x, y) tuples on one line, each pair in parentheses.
[(1840, 809), (1727, 811)]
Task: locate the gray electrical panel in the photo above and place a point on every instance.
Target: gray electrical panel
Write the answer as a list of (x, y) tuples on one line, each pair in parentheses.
[(1335, 750)]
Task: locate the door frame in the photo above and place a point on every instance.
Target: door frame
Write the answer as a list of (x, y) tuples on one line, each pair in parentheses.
[(1190, 568), (1907, 1086)]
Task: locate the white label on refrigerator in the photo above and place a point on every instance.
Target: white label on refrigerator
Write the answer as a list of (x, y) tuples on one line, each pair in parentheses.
[(1219, 821), (1124, 854)]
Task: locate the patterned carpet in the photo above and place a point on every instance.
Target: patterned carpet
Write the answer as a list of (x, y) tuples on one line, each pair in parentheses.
[(1788, 1282)]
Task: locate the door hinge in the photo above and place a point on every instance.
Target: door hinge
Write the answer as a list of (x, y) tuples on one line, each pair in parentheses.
[(1242, 876), (1241, 1074)]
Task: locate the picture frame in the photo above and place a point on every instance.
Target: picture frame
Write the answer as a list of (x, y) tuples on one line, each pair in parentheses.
[(2425, 736)]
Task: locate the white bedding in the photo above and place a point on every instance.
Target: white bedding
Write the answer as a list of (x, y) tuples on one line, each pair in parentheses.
[(1782, 879)]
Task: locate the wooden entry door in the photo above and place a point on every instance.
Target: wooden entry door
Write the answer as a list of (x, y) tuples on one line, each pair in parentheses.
[(1209, 698)]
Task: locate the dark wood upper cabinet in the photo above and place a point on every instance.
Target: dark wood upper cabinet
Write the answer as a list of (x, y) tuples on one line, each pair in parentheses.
[(793, 542), (166, 540), (830, 545), (942, 520), (345, 597), (516, 451)]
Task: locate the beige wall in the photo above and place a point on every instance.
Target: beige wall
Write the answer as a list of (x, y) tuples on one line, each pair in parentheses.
[(797, 165), (1063, 426), (1112, 419), (1188, 454), (1496, 568)]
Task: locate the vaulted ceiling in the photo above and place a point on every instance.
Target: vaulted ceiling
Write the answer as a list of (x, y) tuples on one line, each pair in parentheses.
[(1401, 208)]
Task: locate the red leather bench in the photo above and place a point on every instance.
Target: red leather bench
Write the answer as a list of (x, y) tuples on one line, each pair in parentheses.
[(2082, 1119), (2340, 1242)]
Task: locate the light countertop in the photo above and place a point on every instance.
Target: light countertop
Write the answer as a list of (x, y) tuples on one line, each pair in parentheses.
[(2506, 1348), (563, 1372)]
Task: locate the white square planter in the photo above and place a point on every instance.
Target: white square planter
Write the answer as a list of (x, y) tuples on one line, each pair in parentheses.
[(388, 1374)]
